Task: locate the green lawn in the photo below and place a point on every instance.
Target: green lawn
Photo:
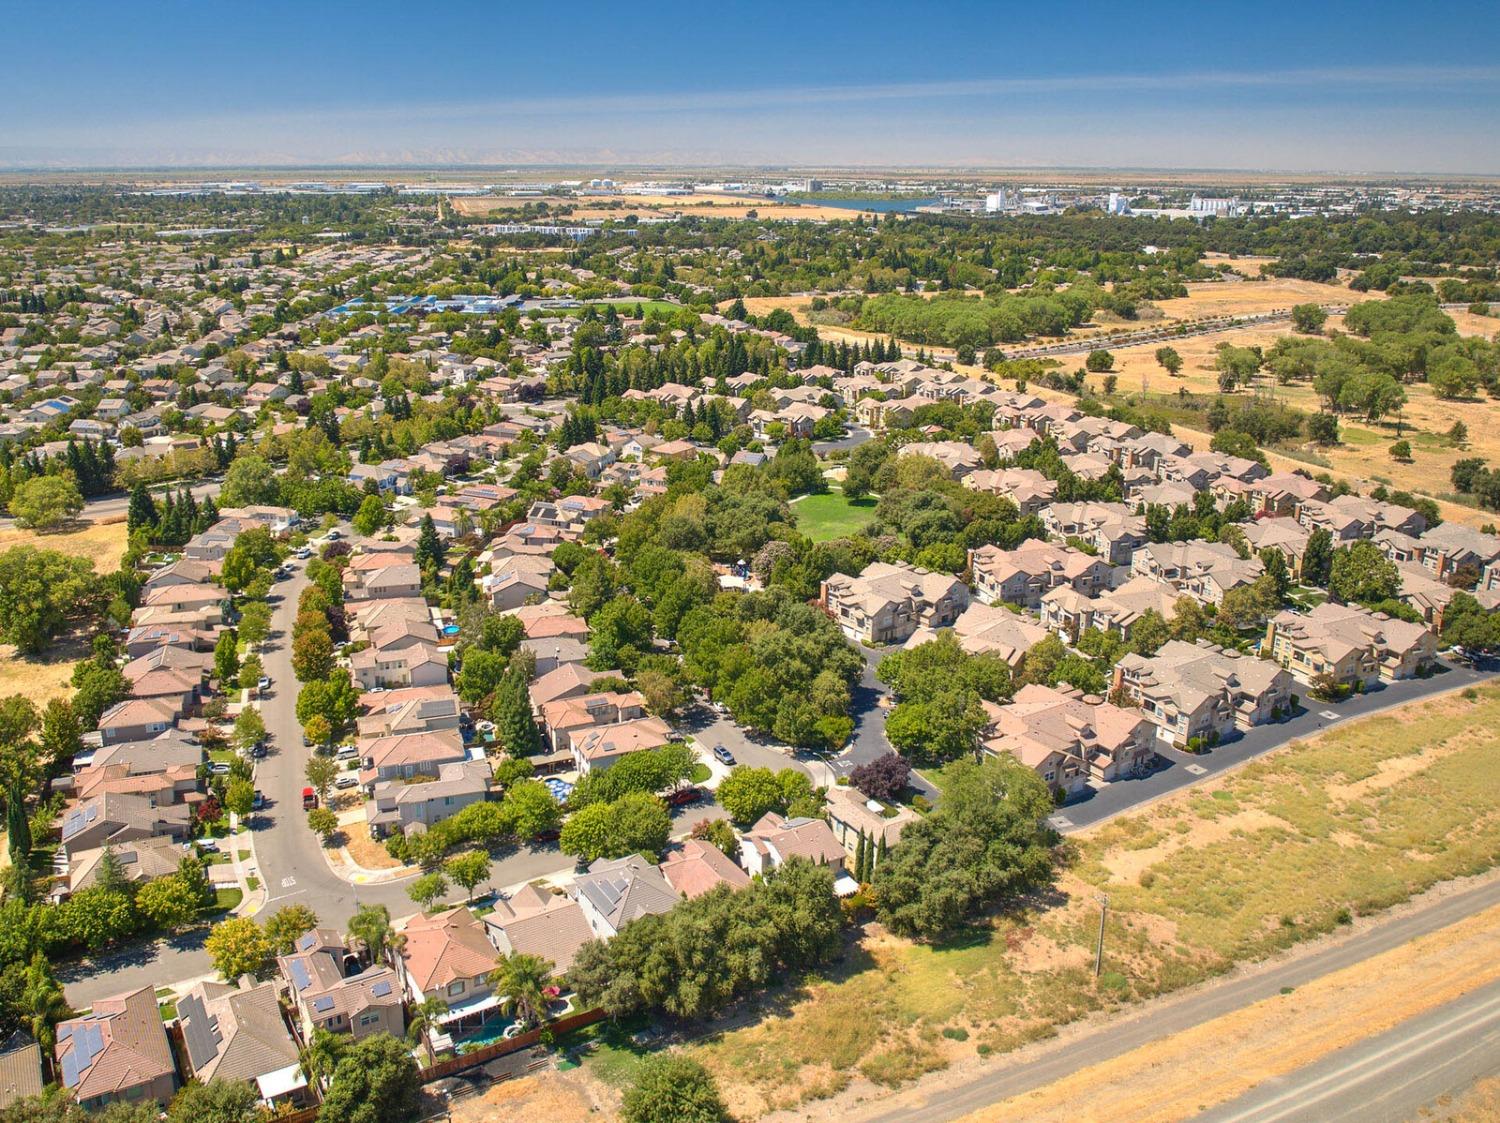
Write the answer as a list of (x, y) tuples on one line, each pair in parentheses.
[(226, 900), (830, 515)]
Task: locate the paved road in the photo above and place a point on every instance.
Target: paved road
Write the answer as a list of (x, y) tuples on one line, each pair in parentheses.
[(853, 439), (1116, 1036), (1182, 769), (1386, 1079)]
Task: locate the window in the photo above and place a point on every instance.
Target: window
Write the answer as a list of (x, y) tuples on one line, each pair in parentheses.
[(368, 1019), (456, 987)]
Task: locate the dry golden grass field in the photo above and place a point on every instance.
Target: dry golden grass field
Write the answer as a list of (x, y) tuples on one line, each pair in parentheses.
[(1241, 868)]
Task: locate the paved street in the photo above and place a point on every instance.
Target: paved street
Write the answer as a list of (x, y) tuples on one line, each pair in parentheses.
[(1182, 769), (1047, 1063), (1385, 1079)]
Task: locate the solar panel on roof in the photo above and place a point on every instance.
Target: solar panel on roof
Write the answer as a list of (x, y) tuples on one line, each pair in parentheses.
[(323, 1003), (381, 989), (307, 940), (300, 977), (71, 1070)]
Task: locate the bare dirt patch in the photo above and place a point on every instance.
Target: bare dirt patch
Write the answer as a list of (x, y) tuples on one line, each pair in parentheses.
[(557, 1097), (1128, 865), (102, 543)]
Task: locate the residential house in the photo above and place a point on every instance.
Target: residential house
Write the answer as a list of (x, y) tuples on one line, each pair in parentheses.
[(615, 892), (1024, 575), (694, 866), (1348, 645), (1203, 570), (20, 1069), (330, 991), (533, 921), (886, 603), (115, 819), (775, 839), (1111, 529), (597, 747), (1200, 693), (395, 806), (851, 817), (402, 756), (238, 1034), (448, 956), (983, 629), (117, 1053), (1027, 488), (1069, 738), (957, 457)]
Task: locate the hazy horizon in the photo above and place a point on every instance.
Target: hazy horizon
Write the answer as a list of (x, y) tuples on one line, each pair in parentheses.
[(1374, 88)]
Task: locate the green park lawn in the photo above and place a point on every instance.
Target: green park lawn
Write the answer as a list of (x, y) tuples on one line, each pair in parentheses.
[(831, 515)]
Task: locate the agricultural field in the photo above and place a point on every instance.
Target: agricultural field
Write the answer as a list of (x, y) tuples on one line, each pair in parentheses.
[(1281, 851)]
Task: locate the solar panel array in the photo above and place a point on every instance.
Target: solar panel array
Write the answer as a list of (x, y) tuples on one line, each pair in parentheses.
[(323, 1004), (88, 1043), (381, 989), (299, 974)]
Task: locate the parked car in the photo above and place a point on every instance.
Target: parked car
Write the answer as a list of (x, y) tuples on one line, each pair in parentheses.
[(208, 846), (347, 752), (309, 799), (683, 796), (305, 552), (724, 756), (333, 535), (219, 768), (347, 780), (259, 802), (263, 683)]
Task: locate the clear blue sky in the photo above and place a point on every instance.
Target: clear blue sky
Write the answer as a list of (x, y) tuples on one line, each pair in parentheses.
[(1368, 86)]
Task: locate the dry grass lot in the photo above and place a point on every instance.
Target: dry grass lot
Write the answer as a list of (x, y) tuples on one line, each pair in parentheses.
[(1273, 854), (42, 679), (1180, 1076)]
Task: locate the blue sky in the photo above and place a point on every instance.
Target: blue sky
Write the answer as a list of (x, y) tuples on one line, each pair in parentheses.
[(1372, 86)]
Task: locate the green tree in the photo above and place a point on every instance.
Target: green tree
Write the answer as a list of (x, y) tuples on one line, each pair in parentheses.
[(1317, 557), (468, 870), (99, 916), (1401, 451), (218, 1101), (1099, 361), (250, 481), (427, 889), (530, 809), (1362, 574), (41, 592), (249, 729), (636, 823), (286, 925), (987, 840), (312, 655), (515, 725), (1309, 318), (239, 797), (227, 658), (376, 1081), (323, 823), (522, 981), (168, 902), (44, 502), (321, 1055), (371, 926), (370, 517), (42, 1004), (238, 946), (747, 793), (334, 699), (1169, 360), (321, 771), (673, 1089)]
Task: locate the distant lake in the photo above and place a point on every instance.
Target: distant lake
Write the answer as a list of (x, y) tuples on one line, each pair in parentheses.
[(877, 206)]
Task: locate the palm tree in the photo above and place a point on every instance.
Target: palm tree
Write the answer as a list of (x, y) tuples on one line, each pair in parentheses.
[(424, 1017), (324, 1051), (372, 926), (42, 1004), (523, 980)]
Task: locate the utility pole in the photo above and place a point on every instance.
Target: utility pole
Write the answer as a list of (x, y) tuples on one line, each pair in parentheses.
[(1099, 948)]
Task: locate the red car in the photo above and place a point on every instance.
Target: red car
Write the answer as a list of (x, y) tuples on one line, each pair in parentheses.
[(684, 796), (309, 799)]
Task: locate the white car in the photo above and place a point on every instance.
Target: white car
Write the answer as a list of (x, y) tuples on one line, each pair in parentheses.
[(264, 683), (348, 752), (347, 780), (219, 768)]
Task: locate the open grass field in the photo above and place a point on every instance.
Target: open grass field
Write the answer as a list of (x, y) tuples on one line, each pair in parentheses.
[(44, 678), (1278, 852), (831, 515)]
